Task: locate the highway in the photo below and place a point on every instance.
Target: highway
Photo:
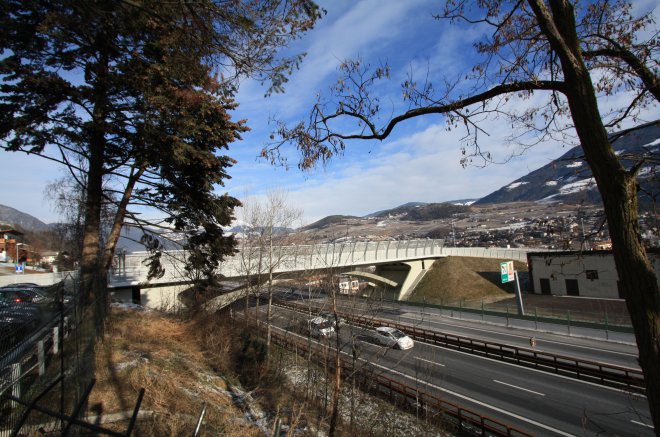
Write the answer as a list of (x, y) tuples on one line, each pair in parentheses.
[(620, 350), (537, 402)]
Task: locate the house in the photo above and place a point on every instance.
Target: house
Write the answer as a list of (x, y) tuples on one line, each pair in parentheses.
[(348, 285), (575, 273), (10, 248)]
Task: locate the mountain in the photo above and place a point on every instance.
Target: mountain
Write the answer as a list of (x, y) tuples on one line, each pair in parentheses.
[(395, 211), (327, 221), (569, 178), (416, 211), (16, 218)]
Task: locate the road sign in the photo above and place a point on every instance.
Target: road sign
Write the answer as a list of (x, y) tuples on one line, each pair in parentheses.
[(19, 268), (506, 271)]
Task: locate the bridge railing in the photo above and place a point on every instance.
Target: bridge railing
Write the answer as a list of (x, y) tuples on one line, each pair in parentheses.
[(130, 268)]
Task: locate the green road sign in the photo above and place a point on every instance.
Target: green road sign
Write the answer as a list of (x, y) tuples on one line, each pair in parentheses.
[(506, 271)]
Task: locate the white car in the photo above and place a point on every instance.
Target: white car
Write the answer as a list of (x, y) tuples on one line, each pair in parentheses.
[(320, 327), (392, 337)]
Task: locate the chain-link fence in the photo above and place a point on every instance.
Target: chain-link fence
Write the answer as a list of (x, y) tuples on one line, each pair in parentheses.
[(47, 356)]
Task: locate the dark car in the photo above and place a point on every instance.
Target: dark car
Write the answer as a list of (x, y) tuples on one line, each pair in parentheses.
[(24, 293), (16, 320), (14, 295)]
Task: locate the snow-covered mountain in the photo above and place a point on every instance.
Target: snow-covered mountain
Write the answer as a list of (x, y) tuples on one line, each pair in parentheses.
[(569, 178)]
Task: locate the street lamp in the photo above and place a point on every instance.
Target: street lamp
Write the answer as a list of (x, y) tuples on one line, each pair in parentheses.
[(18, 244)]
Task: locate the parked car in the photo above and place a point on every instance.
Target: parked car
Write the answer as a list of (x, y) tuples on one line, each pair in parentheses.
[(26, 293), (16, 320), (11, 295), (392, 337)]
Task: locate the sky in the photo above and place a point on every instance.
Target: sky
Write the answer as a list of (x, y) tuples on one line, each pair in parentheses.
[(419, 162)]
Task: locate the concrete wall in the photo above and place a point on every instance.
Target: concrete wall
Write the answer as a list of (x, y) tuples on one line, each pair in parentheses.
[(163, 298), (594, 272)]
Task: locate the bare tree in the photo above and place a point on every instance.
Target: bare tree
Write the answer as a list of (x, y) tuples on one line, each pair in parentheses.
[(565, 51), (267, 244)]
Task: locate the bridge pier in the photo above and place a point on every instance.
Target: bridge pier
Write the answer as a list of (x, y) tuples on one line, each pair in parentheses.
[(406, 273)]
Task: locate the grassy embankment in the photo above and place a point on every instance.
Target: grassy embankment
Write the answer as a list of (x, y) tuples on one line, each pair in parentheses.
[(186, 362), (454, 279)]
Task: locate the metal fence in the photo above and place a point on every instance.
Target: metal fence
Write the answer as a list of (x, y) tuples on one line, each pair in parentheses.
[(46, 373), (450, 416), (586, 370)]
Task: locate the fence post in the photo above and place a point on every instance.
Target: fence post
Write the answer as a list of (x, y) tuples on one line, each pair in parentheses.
[(568, 321), (482, 310), (536, 317), (507, 315), (41, 357), (607, 331), (56, 340), (16, 383)]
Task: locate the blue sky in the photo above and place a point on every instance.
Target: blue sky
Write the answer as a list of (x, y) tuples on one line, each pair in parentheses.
[(419, 162)]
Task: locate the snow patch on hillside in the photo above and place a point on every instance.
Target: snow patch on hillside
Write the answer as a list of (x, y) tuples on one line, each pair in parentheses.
[(577, 186), (515, 185)]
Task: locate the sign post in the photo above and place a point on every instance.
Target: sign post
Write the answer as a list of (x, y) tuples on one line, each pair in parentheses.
[(508, 274)]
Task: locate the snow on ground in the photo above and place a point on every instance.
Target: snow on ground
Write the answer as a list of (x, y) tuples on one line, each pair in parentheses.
[(574, 164), (369, 412), (551, 183), (515, 185), (577, 186)]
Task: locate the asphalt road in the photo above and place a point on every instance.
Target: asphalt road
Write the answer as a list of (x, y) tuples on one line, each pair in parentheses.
[(538, 402), (619, 350)]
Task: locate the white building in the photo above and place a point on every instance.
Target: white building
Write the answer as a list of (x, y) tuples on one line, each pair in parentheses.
[(348, 285), (587, 274)]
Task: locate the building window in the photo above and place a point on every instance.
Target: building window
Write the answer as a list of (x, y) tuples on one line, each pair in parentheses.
[(592, 274)]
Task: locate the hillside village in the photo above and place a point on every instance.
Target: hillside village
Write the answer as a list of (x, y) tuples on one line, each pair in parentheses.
[(516, 225)]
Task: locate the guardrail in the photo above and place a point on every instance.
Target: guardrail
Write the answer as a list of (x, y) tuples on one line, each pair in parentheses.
[(592, 371), (437, 409)]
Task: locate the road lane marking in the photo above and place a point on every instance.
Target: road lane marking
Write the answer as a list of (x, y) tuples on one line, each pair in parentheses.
[(531, 369), (519, 388), (483, 404), (521, 336), (429, 361), (464, 397), (641, 424)]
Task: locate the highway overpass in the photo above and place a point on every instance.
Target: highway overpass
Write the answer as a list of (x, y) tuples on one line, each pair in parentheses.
[(402, 261)]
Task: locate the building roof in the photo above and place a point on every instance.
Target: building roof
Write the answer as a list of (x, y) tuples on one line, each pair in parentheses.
[(10, 231)]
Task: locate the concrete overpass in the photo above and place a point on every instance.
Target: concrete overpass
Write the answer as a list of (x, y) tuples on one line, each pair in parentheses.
[(403, 262)]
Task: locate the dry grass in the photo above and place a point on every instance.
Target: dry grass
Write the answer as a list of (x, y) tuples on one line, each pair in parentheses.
[(166, 356), (183, 364), (454, 279)]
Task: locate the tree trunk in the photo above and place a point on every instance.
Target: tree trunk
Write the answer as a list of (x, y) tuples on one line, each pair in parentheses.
[(93, 278), (336, 392), (618, 189), (118, 222), (269, 310)]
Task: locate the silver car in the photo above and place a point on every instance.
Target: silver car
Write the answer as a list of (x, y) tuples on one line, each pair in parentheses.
[(392, 337)]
